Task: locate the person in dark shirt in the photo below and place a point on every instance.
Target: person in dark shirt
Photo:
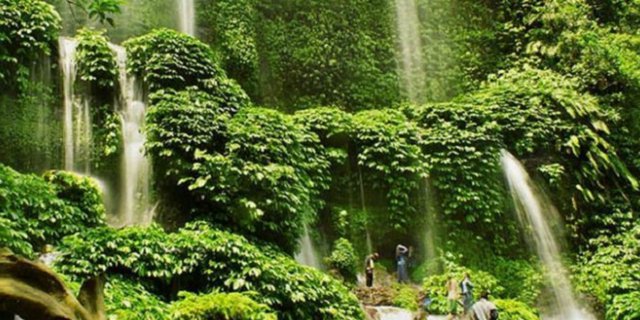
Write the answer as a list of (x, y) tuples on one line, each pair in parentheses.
[(369, 265)]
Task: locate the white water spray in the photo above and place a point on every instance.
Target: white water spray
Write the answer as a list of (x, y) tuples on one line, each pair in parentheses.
[(135, 203), (308, 254), (411, 66), (187, 17), (533, 213)]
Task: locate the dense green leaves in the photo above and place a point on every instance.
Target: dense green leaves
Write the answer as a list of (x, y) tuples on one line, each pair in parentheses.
[(167, 59), (208, 259), (228, 306), (95, 61), (343, 260), (42, 211), (610, 273), (268, 177), (28, 28)]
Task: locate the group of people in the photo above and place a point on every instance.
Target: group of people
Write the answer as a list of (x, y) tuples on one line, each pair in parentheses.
[(402, 262), (461, 293), (458, 293)]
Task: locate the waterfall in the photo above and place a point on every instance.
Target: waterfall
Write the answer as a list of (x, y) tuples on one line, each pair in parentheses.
[(135, 170), (411, 64), (187, 17), (308, 254), (430, 228), (533, 213), (77, 113)]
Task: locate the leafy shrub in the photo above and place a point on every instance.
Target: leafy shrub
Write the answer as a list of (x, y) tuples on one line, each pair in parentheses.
[(79, 192), (521, 279), (405, 297), (178, 124), (47, 209), (14, 239), (208, 259), (127, 300), (388, 151), (343, 259), (28, 28), (515, 310), (214, 306), (268, 179), (167, 59), (625, 307), (610, 272), (95, 61)]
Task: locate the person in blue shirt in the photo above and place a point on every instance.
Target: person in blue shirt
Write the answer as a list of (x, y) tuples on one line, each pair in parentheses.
[(402, 260)]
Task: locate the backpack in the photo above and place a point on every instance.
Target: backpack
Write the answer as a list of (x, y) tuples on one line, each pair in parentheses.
[(494, 314)]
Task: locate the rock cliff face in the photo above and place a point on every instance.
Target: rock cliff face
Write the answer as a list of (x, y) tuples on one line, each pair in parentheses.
[(34, 292)]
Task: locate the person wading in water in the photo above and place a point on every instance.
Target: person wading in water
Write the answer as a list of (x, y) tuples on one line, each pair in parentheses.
[(369, 267)]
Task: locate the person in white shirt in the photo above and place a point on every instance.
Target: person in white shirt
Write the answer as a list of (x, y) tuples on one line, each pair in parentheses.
[(485, 309)]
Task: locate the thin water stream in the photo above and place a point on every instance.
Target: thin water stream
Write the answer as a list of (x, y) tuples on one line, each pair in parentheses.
[(411, 62), (308, 254), (187, 17), (534, 213)]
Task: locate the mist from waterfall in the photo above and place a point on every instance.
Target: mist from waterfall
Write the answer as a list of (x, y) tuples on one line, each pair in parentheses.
[(135, 171), (77, 117), (308, 254), (411, 62), (187, 17), (534, 212)]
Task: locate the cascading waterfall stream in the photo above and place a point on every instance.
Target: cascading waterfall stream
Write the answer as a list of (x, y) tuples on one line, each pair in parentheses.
[(187, 17), (77, 116), (533, 213), (135, 205), (308, 254), (412, 72)]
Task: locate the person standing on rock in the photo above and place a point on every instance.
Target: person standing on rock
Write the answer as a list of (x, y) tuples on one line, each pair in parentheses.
[(402, 258), (452, 296), (369, 265), (466, 287)]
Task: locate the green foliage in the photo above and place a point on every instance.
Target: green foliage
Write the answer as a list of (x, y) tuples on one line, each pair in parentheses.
[(213, 306), (14, 239), (406, 297), (79, 192), (42, 211), (515, 310), (388, 152), (178, 124), (167, 59), (28, 125), (343, 259), (127, 300), (233, 33), (611, 272), (625, 307), (210, 259), (521, 279), (100, 10), (95, 61), (268, 177), (28, 28)]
